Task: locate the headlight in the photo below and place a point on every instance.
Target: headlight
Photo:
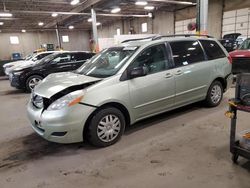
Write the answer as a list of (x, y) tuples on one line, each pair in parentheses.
[(67, 100), (7, 66), (19, 68), (37, 100), (18, 72)]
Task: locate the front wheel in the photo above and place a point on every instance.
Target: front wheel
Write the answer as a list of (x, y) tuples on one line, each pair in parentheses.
[(106, 127), (32, 81), (214, 94)]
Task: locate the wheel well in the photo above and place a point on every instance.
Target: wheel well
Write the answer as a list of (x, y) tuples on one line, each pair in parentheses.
[(222, 81), (119, 106), (32, 75)]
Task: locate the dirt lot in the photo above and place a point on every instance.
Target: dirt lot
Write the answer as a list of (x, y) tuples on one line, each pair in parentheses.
[(184, 148)]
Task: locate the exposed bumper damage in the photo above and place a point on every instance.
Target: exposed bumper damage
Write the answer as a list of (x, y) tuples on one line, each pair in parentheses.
[(65, 125)]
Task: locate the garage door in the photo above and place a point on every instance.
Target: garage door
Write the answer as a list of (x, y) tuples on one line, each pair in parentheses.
[(181, 26), (236, 21)]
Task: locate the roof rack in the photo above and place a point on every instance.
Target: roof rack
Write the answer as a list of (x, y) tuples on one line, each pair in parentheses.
[(146, 38), (158, 37), (181, 35)]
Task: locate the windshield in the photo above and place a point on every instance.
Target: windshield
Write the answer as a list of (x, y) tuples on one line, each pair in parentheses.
[(28, 57), (245, 45), (107, 63), (47, 59)]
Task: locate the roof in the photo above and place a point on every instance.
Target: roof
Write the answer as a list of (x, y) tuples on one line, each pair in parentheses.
[(150, 41), (62, 51)]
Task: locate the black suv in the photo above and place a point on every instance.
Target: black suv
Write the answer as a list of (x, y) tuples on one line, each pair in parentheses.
[(229, 41), (28, 78)]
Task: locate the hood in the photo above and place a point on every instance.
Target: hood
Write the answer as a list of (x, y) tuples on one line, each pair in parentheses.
[(231, 36), (25, 63), (13, 63), (55, 83), (240, 53), (21, 66)]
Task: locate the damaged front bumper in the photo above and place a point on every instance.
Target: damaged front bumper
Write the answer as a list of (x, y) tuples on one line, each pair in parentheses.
[(61, 126)]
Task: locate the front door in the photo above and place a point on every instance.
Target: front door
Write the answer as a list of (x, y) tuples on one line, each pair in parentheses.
[(62, 63), (154, 92)]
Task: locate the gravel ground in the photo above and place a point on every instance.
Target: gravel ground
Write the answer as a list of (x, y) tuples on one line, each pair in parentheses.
[(188, 147)]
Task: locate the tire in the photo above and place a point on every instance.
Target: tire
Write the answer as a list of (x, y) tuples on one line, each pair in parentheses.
[(32, 80), (214, 94), (100, 133)]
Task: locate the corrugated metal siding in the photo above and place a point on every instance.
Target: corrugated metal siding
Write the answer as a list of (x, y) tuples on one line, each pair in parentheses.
[(236, 21)]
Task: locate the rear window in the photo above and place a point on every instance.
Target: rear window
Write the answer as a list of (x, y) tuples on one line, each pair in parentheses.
[(186, 52), (212, 49)]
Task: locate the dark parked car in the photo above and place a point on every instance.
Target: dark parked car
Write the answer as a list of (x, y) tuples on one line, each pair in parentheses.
[(241, 58), (28, 78), (229, 41)]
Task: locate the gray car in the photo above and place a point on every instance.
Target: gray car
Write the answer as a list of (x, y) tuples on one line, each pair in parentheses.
[(127, 83)]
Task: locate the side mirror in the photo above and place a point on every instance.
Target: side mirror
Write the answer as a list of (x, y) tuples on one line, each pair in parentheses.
[(138, 72)]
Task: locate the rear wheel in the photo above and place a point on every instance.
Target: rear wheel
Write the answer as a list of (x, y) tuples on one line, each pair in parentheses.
[(32, 81), (214, 94), (106, 127)]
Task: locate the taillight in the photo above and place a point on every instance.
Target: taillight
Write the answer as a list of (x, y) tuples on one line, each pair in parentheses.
[(230, 59)]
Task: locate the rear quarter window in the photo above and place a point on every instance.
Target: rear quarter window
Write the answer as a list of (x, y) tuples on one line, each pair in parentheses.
[(212, 49)]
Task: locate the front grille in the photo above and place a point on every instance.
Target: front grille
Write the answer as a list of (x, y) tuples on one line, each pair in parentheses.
[(241, 65)]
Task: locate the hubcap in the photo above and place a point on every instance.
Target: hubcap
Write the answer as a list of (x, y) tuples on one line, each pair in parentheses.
[(33, 82), (108, 128), (216, 94)]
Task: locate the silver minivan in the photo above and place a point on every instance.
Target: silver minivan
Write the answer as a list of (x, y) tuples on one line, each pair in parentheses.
[(127, 83)]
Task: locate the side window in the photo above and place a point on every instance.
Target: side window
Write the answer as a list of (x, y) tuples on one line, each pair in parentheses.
[(74, 57), (43, 55), (186, 52), (35, 58), (154, 58), (212, 49), (88, 55), (39, 57), (78, 56), (62, 58), (81, 56)]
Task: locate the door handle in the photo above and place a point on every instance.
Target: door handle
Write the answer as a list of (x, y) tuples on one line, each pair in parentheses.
[(168, 75), (178, 72)]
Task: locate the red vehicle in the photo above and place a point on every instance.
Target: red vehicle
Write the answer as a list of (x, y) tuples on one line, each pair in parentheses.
[(241, 58)]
